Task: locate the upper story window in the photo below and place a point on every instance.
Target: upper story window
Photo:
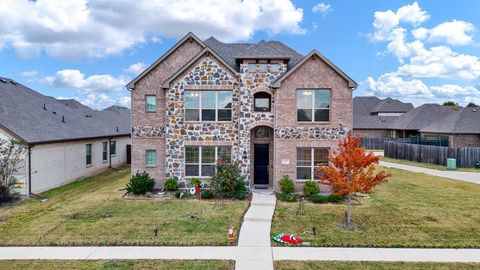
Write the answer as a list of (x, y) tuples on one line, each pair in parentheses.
[(208, 105), (262, 67), (261, 102), (313, 105), (88, 154), (274, 67), (252, 67), (150, 103)]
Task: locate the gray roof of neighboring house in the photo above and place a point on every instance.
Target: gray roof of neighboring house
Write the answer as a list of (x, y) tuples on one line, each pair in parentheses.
[(74, 104), (36, 118), (422, 116), (390, 105), (464, 121), (362, 114), (232, 51)]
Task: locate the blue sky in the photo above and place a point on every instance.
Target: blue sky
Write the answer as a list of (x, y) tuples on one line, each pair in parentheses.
[(423, 51)]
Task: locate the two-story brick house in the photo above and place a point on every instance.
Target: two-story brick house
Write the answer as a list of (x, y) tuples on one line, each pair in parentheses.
[(264, 105)]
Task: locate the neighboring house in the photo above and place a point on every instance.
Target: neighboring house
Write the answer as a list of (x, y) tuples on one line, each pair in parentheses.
[(372, 117), (64, 139), (263, 105), (410, 123), (461, 128)]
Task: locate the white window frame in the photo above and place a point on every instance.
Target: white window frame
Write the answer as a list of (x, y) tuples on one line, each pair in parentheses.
[(200, 108), (200, 163), (312, 108), (105, 151), (89, 154), (312, 162), (146, 158), (154, 104)]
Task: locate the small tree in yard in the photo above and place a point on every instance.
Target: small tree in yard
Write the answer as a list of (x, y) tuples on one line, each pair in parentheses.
[(351, 170), (11, 155)]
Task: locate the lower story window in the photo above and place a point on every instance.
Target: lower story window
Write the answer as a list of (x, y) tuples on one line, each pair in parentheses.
[(308, 159), (151, 157), (201, 160), (88, 154)]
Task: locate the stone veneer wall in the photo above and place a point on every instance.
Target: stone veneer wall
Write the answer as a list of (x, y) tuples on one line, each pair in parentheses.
[(250, 83), (207, 74)]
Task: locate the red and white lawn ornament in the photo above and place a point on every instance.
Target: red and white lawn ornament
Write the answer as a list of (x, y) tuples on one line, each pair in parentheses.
[(231, 236), (284, 238)]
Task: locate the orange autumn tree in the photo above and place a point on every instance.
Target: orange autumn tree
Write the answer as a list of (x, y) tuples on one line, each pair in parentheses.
[(351, 170)]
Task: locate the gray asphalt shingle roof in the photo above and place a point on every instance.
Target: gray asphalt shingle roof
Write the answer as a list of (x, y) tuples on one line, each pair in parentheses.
[(37, 118), (231, 51), (362, 114), (422, 116), (464, 121), (390, 105)]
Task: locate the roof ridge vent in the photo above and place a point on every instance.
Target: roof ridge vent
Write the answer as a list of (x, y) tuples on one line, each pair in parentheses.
[(13, 82), (3, 80)]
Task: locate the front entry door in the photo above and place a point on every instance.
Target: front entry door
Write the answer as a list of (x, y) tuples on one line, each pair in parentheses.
[(261, 160)]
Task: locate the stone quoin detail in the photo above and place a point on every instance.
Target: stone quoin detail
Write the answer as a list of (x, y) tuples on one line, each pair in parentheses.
[(148, 132)]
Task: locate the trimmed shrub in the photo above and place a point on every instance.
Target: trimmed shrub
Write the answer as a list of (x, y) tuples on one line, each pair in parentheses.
[(206, 194), (287, 197), (286, 184), (170, 184), (333, 198), (140, 183), (195, 182), (318, 198), (228, 182), (310, 188)]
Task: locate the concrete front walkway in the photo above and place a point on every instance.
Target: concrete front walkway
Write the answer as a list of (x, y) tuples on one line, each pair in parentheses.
[(471, 177), (254, 249)]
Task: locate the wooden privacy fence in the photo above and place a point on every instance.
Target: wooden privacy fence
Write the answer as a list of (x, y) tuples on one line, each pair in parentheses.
[(378, 142), (465, 156)]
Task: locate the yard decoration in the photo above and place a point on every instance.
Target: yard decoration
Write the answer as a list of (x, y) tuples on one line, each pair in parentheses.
[(351, 170), (231, 236), (284, 238)]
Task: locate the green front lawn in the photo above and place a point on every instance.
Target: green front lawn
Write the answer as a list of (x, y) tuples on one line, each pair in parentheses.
[(117, 265), (335, 265), (427, 165), (411, 210), (92, 212)]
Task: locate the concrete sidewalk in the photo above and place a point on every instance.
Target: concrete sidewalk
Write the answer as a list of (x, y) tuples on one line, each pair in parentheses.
[(471, 177), (377, 254), (254, 249)]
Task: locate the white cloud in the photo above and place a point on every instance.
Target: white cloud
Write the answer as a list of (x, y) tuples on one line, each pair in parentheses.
[(29, 73), (440, 62), (124, 101), (72, 78), (414, 90), (386, 21), (136, 68), (97, 28), (453, 33), (322, 8), (418, 59)]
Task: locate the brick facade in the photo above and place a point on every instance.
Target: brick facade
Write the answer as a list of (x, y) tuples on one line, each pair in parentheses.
[(371, 132), (464, 140), (167, 131)]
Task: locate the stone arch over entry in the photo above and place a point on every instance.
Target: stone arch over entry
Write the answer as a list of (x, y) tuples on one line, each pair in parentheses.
[(261, 155)]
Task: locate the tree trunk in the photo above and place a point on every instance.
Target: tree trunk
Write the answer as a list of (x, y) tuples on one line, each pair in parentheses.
[(349, 211)]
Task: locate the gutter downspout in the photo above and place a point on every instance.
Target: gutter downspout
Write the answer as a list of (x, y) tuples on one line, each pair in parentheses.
[(30, 169), (110, 152)]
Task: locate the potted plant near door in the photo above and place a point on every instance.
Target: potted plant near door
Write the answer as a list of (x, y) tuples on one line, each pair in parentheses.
[(195, 182)]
